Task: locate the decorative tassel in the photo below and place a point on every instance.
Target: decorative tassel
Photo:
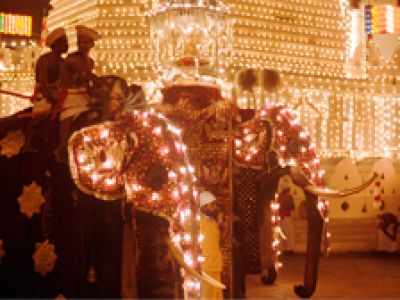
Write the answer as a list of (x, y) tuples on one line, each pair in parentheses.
[(91, 275), (377, 195)]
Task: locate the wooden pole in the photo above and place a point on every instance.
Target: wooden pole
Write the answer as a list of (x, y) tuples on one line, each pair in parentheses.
[(230, 172)]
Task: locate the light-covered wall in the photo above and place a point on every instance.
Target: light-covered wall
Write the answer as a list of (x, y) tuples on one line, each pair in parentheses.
[(17, 68), (387, 44), (344, 173)]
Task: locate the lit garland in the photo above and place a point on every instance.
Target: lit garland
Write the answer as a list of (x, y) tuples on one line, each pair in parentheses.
[(276, 232), (377, 202), (323, 206), (142, 157)]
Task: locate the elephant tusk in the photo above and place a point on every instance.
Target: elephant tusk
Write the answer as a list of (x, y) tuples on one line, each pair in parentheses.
[(135, 139), (329, 193), (204, 277)]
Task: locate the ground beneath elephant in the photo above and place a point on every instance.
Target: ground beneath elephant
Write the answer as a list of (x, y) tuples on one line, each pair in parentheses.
[(341, 275)]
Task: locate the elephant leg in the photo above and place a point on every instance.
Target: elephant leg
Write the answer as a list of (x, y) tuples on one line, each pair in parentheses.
[(266, 253), (315, 226), (128, 271)]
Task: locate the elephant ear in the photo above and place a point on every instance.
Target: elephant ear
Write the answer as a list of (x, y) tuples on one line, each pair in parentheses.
[(97, 155)]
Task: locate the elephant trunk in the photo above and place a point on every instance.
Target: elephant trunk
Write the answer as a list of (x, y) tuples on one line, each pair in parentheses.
[(315, 226)]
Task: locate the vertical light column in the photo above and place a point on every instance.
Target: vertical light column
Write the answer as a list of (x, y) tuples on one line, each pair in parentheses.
[(388, 120), (379, 139), (369, 125), (397, 126), (359, 128), (324, 120), (348, 122)]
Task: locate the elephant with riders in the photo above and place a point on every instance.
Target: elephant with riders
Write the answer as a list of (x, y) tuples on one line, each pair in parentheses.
[(112, 212)]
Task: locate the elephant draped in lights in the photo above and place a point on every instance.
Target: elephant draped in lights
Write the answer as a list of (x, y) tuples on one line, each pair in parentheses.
[(140, 157), (274, 143), (223, 141)]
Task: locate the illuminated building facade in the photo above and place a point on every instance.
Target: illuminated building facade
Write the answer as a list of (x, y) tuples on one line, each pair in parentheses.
[(349, 104), (15, 24), (123, 25), (20, 26), (18, 53), (17, 63)]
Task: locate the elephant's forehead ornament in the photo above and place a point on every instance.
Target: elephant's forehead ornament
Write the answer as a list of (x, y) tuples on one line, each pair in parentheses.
[(277, 130)]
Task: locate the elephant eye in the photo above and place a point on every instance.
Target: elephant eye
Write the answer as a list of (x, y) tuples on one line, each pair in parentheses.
[(103, 155), (156, 176), (293, 146)]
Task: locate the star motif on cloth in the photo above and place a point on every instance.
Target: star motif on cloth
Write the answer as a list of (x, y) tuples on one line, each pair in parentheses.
[(31, 200), (12, 143), (2, 252), (44, 258)]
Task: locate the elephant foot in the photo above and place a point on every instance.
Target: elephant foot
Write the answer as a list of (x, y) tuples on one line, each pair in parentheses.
[(270, 277), (302, 292)]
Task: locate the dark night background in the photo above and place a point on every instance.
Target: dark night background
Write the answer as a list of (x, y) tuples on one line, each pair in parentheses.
[(34, 8)]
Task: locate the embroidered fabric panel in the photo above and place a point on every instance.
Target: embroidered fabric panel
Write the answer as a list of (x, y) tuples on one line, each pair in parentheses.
[(245, 189)]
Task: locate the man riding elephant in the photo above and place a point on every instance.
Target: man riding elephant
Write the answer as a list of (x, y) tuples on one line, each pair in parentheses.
[(47, 76), (77, 78)]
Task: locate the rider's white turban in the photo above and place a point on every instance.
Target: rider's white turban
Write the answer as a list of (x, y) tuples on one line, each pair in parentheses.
[(206, 198), (54, 36), (88, 32)]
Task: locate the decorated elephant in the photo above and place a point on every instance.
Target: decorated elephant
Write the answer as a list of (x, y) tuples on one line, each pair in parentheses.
[(273, 145), (140, 157), (224, 142), (85, 240)]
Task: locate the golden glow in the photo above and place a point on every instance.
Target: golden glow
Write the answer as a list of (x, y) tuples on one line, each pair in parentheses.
[(15, 24)]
